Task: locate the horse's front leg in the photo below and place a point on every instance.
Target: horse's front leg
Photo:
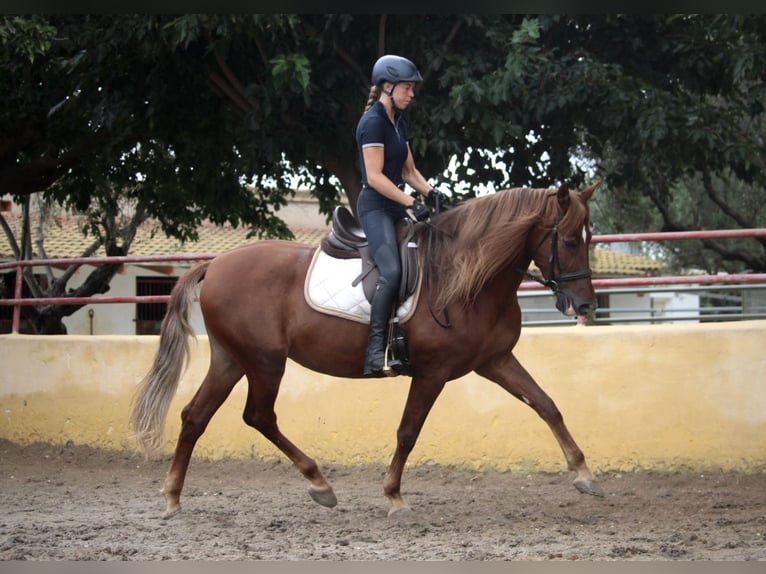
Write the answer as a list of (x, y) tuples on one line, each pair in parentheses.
[(421, 398), (510, 375)]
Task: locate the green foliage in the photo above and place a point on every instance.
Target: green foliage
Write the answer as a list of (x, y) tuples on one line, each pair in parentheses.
[(291, 72), (24, 38), (218, 112)]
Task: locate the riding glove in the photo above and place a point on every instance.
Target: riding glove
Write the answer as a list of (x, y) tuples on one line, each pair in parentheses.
[(438, 199), (418, 212)]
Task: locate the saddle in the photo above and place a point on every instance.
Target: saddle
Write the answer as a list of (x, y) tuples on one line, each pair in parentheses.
[(347, 240)]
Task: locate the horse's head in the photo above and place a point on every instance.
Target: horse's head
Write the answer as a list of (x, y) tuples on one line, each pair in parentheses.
[(561, 251)]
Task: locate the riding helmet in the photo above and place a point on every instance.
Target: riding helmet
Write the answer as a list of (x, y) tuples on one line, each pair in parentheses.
[(394, 69)]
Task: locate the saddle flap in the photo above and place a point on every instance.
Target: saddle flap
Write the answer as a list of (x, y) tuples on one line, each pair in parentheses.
[(408, 251)]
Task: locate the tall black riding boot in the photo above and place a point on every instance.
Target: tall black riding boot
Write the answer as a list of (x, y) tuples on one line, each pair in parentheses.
[(380, 313)]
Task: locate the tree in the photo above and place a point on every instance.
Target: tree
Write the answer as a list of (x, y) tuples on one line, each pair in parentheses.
[(105, 112), (210, 116), (666, 107), (681, 146), (654, 101)]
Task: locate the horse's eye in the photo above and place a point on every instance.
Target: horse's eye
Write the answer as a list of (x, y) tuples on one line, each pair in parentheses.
[(570, 243)]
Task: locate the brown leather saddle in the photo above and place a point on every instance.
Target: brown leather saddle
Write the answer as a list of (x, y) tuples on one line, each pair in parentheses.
[(347, 240)]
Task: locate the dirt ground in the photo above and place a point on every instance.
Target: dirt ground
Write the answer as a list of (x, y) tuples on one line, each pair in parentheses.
[(76, 503)]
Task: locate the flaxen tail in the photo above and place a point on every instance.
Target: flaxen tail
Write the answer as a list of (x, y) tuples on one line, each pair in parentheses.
[(156, 390)]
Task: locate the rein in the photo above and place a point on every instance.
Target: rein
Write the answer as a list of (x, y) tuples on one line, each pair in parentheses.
[(426, 273)]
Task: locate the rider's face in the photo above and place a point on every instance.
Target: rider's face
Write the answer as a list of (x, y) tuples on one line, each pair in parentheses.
[(404, 93)]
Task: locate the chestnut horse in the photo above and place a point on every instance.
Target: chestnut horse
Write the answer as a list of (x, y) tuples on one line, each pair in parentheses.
[(256, 316)]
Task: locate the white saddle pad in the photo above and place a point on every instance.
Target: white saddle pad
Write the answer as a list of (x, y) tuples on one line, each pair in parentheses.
[(328, 289)]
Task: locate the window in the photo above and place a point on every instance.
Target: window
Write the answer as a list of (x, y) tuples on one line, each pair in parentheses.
[(6, 321), (7, 291), (149, 315)]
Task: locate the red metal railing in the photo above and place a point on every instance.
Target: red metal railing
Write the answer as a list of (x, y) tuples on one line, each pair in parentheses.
[(18, 301), (741, 278), (678, 279)]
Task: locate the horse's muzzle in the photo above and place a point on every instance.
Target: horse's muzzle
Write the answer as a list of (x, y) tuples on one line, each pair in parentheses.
[(571, 305)]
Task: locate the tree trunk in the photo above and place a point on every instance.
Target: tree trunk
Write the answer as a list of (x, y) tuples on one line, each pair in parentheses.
[(349, 176)]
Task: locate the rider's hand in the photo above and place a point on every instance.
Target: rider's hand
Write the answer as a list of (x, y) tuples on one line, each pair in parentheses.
[(438, 199), (418, 212)]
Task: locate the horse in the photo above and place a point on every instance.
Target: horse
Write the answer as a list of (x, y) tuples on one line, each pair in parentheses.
[(472, 257)]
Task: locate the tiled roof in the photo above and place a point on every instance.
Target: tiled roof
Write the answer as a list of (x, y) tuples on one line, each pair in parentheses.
[(606, 262), (63, 238)]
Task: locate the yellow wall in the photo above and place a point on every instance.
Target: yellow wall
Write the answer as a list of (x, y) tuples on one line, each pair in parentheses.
[(660, 397)]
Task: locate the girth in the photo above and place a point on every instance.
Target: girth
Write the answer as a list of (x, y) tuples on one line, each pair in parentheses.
[(347, 240)]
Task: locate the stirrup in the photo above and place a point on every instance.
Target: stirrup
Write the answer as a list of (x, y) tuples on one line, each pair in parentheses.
[(393, 368), (396, 349)]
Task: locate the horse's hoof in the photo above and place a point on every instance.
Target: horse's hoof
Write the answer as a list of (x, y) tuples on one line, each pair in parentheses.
[(399, 512), (589, 487), (171, 512), (324, 496)]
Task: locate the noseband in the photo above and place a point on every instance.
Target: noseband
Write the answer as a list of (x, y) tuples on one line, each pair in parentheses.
[(554, 281)]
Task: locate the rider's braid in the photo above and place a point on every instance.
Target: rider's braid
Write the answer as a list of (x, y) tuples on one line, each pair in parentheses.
[(373, 97)]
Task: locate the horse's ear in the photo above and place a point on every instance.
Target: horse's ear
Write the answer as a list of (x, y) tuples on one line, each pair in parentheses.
[(588, 191), (563, 196)]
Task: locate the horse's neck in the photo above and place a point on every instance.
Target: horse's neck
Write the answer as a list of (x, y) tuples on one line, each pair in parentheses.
[(502, 290)]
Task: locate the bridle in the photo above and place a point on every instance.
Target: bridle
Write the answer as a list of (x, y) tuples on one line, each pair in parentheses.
[(554, 281)]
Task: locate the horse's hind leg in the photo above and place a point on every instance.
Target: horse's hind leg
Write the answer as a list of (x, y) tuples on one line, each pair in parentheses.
[(221, 378), (510, 375), (263, 388)]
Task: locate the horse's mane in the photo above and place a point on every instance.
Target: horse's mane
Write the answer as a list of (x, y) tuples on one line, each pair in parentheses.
[(472, 242)]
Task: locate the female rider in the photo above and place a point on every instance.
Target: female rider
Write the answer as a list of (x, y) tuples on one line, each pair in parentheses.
[(386, 164)]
